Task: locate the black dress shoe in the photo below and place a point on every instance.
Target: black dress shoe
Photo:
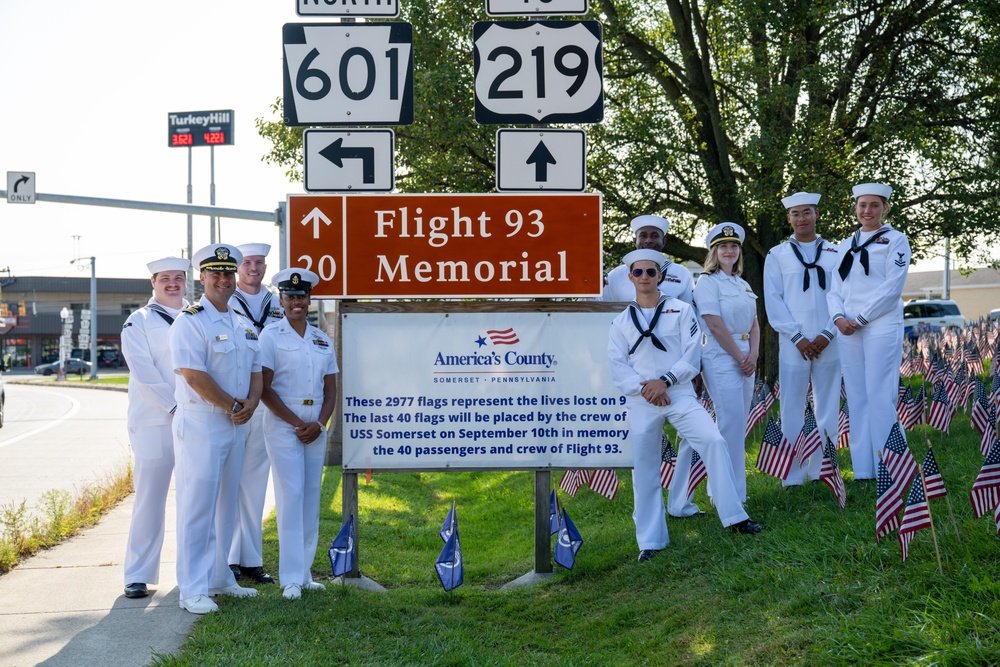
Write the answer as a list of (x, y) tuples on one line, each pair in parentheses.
[(646, 554), (237, 571), (747, 527), (257, 575), (136, 590)]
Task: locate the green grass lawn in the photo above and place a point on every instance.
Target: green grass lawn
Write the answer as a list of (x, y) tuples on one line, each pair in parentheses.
[(814, 589)]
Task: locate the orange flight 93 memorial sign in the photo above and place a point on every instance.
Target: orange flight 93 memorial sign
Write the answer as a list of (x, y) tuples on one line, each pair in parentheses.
[(448, 245)]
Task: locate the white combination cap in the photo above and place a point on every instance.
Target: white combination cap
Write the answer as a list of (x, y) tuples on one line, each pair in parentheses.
[(218, 257), (295, 281), (650, 221), (169, 264), (801, 199), (723, 232), (250, 249), (647, 254), (883, 191)]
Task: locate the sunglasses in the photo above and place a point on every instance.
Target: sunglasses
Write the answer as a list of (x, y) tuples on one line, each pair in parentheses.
[(652, 273)]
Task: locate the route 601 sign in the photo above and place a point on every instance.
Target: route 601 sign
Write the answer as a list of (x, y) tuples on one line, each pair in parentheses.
[(348, 73), (538, 71)]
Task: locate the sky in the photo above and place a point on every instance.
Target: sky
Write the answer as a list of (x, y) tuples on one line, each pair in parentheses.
[(87, 89)]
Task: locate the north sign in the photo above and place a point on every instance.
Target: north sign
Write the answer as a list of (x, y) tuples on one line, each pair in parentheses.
[(348, 73), (535, 7), (348, 160), (538, 72), (355, 8)]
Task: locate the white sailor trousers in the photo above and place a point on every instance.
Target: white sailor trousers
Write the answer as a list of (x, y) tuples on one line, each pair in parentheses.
[(731, 392), (153, 464), (247, 547), (870, 359), (298, 476), (696, 427), (208, 451), (795, 374)]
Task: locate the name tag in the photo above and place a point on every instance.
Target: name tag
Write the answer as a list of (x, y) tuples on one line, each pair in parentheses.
[(222, 337)]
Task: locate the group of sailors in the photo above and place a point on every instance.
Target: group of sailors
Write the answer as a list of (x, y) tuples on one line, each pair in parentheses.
[(198, 374), (838, 312)]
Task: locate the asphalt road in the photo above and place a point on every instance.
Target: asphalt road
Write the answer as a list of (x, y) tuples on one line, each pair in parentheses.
[(58, 438)]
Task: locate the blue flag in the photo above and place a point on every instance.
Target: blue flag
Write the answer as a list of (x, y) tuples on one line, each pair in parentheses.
[(342, 549), (450, 524), (449, 566), (568, 542), (553, 516)]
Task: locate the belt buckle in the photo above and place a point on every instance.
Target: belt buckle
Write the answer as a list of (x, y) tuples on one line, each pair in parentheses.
[(307, 401)]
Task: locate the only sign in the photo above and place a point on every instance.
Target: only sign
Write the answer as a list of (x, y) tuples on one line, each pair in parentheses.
[(538, 72)]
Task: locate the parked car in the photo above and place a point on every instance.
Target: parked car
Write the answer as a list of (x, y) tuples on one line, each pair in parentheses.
[(922, 315), (995, 315), (78, 366)]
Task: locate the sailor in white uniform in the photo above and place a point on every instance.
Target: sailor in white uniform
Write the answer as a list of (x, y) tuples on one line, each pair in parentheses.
[(653, 350), (215, 354), (650, 234), (797, 276), (866, 305), (727, 307), (256, 303), (300, 390), (145, 345)]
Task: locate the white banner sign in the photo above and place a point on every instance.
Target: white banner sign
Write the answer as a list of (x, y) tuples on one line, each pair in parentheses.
[(430, 391)]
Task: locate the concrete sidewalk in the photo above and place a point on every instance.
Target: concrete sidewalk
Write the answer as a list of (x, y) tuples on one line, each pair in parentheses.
[(65, 606)]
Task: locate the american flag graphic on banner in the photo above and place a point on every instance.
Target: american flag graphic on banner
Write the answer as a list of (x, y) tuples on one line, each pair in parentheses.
[(503, 336), (698, 474), (916, 515), (604, 482), (984, 495), (668, 462)]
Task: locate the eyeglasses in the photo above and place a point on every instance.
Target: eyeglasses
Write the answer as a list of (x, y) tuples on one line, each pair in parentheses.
[(649, 272)]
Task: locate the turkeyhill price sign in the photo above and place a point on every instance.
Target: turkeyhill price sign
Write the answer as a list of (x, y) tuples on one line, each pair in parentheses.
[(448, 245)]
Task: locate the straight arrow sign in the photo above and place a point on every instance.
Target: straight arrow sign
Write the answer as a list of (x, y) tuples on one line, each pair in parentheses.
[(349, 160), (558, 158)]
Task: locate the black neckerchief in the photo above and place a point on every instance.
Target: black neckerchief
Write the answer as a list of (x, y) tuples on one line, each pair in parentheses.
[(265, 308), (633, 309), (820, 271), (862, 250), (159, 310)]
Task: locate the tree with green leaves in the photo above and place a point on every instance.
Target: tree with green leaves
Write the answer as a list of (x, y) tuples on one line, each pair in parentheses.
[(716, 109)]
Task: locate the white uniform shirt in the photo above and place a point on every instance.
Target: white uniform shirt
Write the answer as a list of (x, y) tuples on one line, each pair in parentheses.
[(676, 328), (146, 346), (729, 297), (300, 363), (224, 345), (261, 308), (792, 311), (866, 298), (677, 282)]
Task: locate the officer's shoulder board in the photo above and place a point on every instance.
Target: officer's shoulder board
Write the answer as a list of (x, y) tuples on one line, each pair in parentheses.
[(194, 310)]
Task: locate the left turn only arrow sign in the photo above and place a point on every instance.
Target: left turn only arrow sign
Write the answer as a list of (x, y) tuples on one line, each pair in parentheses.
[(349, 160)]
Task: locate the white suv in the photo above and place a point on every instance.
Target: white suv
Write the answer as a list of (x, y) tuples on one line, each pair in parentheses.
[(920, 315)]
